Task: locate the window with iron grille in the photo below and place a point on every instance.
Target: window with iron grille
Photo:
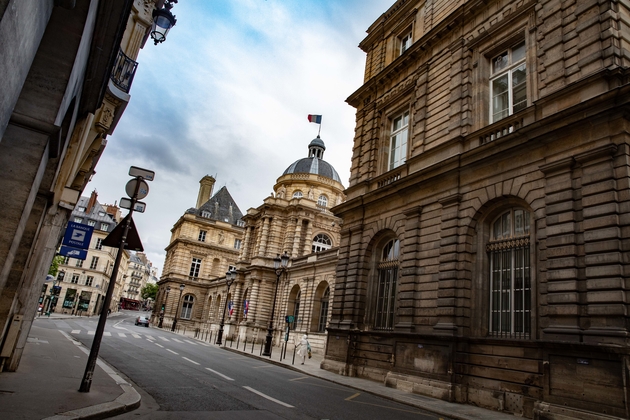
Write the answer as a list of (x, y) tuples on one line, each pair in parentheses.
[(386, 291), (510, 277)]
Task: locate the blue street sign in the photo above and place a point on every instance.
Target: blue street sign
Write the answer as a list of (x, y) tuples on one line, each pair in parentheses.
[(68, 251), (78, 235)]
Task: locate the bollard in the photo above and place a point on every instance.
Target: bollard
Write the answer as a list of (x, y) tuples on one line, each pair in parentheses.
[(281, 350), (293, 362), (261, 347), (238, 339), (231, 341), (286, 344), (253, 341), (244, 343)]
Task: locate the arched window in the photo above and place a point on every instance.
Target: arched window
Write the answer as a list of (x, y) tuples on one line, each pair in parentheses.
[(187, 307), (210, 308), (294, 306), (510, 279), (217, 308), (298, 194), (387, 270), (321, 243), (323, 311), (296, 310), (322, 201)]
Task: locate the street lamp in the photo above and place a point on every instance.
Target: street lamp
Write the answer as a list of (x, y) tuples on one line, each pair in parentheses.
[(181, 289), (163, 21), (280, 265), (230, 276), (163, 309)]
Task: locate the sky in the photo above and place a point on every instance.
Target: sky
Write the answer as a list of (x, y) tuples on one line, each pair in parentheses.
[(227, 95)]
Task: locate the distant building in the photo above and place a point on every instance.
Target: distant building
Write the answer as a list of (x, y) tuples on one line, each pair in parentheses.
[(84, 283)]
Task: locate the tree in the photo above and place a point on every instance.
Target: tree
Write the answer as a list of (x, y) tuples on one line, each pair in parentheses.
[(54, 265), (149, 291)]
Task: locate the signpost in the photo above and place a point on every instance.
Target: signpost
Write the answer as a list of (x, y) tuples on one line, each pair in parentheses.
[(76, 240), (140, 190)]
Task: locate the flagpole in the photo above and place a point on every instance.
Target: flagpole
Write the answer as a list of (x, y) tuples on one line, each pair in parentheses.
[(320, 129)]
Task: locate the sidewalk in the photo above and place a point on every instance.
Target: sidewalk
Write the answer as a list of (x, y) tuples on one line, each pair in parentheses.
[(311, 367), (46, 384)]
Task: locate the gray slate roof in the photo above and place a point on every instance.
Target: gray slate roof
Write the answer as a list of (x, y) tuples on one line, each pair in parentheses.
[(220, 206)]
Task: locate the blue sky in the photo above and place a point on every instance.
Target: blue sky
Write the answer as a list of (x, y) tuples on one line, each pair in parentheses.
[(228, 94)]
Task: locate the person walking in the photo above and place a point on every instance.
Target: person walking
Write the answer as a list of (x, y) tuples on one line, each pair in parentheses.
[(304, 348)]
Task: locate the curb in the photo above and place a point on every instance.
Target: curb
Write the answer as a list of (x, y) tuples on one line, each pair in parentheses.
[(128, 401)]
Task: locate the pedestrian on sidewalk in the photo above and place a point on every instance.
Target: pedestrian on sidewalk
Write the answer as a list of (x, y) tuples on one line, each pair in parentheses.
[(304, 348)]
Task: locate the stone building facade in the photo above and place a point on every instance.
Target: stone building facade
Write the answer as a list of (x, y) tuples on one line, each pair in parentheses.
[(67, 70), (484, 250)]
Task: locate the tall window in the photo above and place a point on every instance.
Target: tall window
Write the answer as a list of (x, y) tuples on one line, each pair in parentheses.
[(322, 201), (74, 279), (104, 227), (195, 266), (66, 260), (89, 281), (237, 244), (202, 235), (187, 306), (386, 292), (323, 311), (508, 86), (510, 280), (61, 275), (79, 263), (405, 42), (296, 310), (398, 140), (99, 244), (94, 263), (321, 243)]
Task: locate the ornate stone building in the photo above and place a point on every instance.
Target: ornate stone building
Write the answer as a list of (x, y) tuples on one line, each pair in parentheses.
[(484, 251), (210, 239), (67, 70)]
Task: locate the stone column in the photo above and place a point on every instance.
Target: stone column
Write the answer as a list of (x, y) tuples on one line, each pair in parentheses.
[(262, 250), (254, 303), (308, 239), (248, 236), (409, 268), (296, 239)]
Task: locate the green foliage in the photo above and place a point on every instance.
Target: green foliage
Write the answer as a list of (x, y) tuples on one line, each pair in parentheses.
[(54, 265), (149, 291)]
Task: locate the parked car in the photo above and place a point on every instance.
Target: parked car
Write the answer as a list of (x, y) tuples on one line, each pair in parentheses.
[(142, 320)]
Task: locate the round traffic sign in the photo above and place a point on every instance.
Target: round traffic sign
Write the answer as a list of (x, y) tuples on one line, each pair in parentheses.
[(143, 188)]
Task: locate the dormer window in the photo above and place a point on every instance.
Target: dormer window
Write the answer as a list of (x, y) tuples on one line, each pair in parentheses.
[(206, 214)]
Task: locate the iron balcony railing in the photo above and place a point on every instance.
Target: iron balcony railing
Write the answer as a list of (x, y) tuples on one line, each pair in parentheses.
[(123, 71)]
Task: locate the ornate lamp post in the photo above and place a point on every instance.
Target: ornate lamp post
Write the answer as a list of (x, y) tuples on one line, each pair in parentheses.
[(163, 21), (163, 309), (280, 265), (230, 276), (181, 289)]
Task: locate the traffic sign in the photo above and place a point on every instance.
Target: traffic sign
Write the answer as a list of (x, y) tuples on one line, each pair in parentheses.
[(68, 251), (289, 318), (144, 173), (143, 189), (78, 235), (140, 207)]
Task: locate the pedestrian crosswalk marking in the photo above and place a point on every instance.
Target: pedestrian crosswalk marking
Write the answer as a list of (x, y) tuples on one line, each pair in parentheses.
[(122, 335), (105, 334), (191, 342), (136, 335), (75, 332), (174, 352), (163, 338), (175, 339)]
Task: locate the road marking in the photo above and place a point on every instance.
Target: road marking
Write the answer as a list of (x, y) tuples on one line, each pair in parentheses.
[(90, 332), (174, 352), (191, 361), (159, 345), (268, 397), (123, 335), (353, 396), (105, 333), (163, 338), (263, 367), (75, 332), (191, 342), (220, 374), (136, 335), (300, 378), (378, 405), (179, 341)]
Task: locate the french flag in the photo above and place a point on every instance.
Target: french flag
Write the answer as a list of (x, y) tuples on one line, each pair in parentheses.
[(230, 308), (317, 119), (246, 306)]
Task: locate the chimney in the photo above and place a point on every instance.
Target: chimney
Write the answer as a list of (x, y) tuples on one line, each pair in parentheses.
[(91, 202), (205, 190)]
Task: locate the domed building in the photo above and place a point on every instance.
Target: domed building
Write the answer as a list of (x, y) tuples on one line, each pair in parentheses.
[(295, 221)]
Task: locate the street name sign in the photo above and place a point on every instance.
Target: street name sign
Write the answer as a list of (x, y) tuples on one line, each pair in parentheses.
[(144, 173)]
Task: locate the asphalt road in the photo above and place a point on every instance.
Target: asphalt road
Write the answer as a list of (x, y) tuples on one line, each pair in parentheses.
[(180, 378)]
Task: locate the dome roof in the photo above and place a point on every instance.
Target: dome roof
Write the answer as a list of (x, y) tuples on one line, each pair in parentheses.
[(314, 163)]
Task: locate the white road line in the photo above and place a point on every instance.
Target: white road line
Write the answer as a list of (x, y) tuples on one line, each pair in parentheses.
[(90, 332), (220, 374), (191, 361), (163, 338), (191, 342), (136, 335), (179, 341), (159, 345), (267, 397), (174, 352), (107, 334), (75, 332), (123, 335)]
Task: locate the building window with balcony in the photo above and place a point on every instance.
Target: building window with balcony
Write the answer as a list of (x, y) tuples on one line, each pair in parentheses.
[(202, 235), (195, 266), (398, 140), (187, 306), (94, 263), (89, 281), (508, 82), (510, 278)]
